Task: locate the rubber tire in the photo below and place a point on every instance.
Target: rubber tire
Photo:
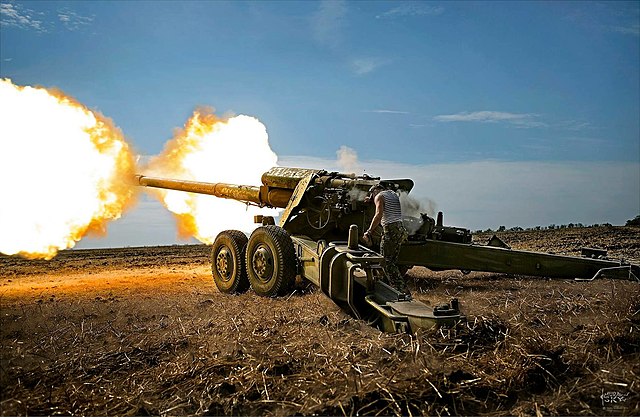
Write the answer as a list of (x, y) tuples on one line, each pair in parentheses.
[(280, 245), (236, 242)]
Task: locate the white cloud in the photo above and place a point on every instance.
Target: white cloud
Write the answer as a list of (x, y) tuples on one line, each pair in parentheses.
[(615, 17), (72, 20), (17, 16), (632, 29), (524, 120), (327, 25), (528, 124), (480, 116), (328, 21), (412, 9), (362, 66), (574, 125), (586, 140), (386, 111)]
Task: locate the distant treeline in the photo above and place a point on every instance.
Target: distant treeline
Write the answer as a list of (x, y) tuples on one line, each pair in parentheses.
[(633, 222)]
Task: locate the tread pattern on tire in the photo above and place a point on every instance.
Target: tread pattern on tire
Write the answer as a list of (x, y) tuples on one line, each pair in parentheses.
[(238, 244), (284, 251)]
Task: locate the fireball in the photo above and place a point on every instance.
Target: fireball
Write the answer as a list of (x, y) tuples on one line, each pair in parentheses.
[(64, 171), (234, 150)]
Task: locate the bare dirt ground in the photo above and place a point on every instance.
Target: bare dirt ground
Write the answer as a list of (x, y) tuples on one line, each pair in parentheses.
[(143, 331)]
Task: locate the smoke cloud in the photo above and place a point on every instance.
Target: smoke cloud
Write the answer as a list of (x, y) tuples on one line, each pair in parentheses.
[(414, 208), (348, 160), (232, 150)]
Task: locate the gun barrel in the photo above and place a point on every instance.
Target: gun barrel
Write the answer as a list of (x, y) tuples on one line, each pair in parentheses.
[(262, 196)]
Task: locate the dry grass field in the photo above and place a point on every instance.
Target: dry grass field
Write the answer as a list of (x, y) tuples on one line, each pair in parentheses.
[(143, 331)]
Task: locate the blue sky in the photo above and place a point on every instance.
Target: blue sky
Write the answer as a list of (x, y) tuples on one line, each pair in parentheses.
[(433, 85)]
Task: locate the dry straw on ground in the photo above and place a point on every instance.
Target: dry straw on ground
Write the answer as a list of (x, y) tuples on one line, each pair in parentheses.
[(530, 346)]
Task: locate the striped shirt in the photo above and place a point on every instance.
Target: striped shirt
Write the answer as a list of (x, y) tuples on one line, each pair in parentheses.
[(392, 212)]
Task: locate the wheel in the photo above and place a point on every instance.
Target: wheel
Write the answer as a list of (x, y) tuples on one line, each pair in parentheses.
[(228, 262), (271, 261)]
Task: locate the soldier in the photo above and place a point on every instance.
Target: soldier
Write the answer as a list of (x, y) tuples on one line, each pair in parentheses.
[(389, 214)]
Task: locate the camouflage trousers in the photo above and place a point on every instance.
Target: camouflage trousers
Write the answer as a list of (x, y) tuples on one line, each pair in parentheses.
[(393, 237)]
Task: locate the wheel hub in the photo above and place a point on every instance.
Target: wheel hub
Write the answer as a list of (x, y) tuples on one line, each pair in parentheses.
[(263, 263), (224, 263)]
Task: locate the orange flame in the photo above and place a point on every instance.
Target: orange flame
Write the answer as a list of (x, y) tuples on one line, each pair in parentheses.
[(64, 171), (234, 150)]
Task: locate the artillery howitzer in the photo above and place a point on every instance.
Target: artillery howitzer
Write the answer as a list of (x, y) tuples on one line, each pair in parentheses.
[(317, 237)]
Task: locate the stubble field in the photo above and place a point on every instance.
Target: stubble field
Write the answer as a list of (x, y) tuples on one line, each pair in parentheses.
[(143, 331)]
